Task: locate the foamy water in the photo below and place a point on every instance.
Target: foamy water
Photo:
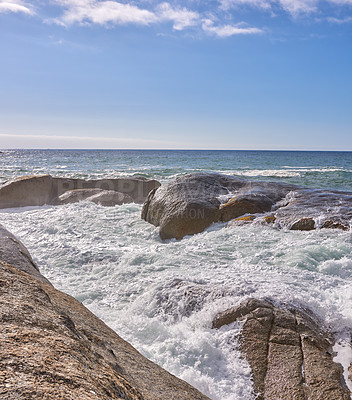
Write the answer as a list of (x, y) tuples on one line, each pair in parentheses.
[(115, 263), (162, 296)]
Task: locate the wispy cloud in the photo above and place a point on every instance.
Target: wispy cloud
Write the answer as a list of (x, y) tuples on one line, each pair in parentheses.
[(228, 30), (216, 17), (339, 20), (103, 13), (15, 6), (116, 13), (228, 4), (293, 7)]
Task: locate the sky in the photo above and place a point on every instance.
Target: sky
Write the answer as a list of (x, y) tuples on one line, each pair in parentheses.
[(178, 74)]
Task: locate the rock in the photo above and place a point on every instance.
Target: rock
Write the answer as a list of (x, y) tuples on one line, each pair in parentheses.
[(52, 347), (44, 189), (26, 191), (335, 225), (190, 204), (270, 219), (180, 298), (13, 252), (106, 198), (304, 224), (289, 352), (76, 195), (110, 198), (241, 220), (245, 204)]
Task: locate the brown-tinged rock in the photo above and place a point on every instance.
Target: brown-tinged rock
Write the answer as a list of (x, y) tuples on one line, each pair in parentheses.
[(303, 224), (335, 225), (14, 252), (240, 205), (289, 351), (52, 347)]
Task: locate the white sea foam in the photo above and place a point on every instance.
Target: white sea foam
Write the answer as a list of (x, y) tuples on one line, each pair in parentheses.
[(116, 264)]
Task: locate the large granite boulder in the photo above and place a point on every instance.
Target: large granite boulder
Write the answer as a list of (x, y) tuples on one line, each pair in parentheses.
[(289, 351), (191, 203), (52, 347), (44, 189), (27, 190)]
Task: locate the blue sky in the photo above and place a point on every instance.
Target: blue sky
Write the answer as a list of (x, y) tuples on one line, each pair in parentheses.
[(219, 74)]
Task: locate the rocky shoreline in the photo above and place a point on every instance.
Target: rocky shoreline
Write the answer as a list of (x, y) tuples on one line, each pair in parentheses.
[(191, 203), (52, 347)]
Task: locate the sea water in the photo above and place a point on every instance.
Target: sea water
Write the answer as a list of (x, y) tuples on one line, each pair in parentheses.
[(161, 296)]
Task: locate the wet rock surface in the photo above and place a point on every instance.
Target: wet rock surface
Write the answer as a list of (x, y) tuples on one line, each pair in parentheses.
[(289, 351), (190, 204), (44, 189), (52, 347)]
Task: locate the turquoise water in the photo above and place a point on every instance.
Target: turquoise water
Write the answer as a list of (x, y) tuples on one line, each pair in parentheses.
[(116, 264)]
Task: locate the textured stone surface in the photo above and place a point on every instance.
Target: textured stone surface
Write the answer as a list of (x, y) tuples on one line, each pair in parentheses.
[(26, 191), (44, 189), (240, 205), (52, 347), (191, 203), (303, 224), (14, 252), (289, 352)]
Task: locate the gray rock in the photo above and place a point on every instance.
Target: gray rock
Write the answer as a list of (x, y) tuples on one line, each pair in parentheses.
[(44, 189), (191, 203), (110, 198), (76, 195), (289, 351)]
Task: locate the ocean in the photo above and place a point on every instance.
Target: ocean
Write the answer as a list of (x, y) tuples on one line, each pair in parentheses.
[(162, 296)]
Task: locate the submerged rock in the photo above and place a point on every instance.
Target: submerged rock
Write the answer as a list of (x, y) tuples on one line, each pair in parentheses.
[(44, 189), (191, 203), (289, 351), (52, 347)]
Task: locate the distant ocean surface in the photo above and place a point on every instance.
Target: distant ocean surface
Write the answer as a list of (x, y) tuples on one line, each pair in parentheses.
[(116, 264)]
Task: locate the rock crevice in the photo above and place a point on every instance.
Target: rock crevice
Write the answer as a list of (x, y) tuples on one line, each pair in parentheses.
[(289, 352)]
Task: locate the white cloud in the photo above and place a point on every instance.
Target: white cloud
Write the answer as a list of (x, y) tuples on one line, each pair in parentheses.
[(297, 7), (181, 17), (227, 4), (228, 30), (103, 13), (15, 6), (340, 20), (293, 7)]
